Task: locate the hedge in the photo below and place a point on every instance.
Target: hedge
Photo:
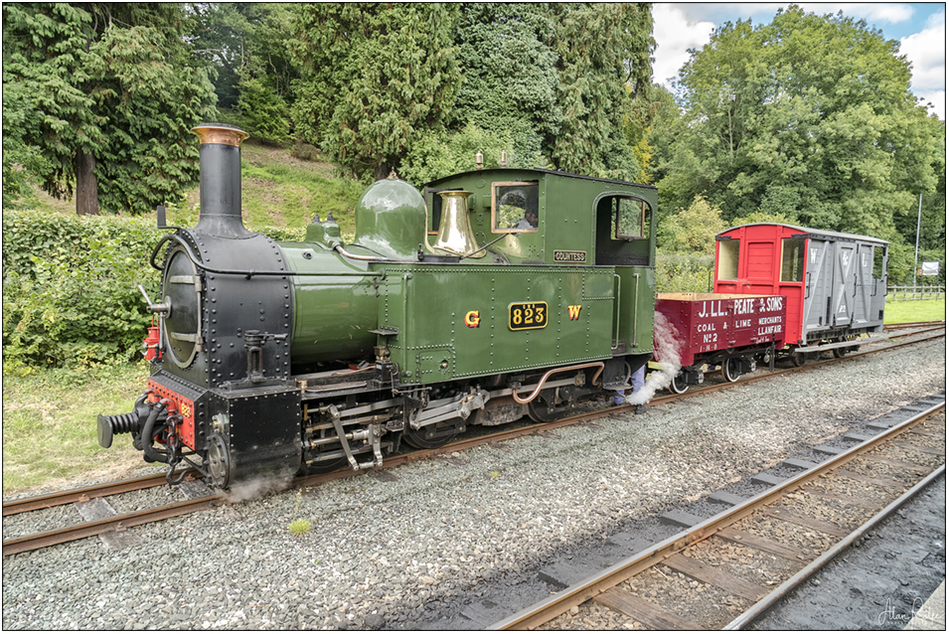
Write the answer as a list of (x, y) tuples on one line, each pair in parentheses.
[(70, 287), (684, 273)]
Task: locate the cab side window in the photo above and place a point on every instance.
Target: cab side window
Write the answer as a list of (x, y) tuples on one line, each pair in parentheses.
[(629, 218)]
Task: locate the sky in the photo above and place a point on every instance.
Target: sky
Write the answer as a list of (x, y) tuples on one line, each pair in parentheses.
[(919, 27)]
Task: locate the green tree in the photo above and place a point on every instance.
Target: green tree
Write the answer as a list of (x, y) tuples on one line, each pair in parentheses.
[(932, 225), (808, 118), (374, 79), (650, 114), (551, 84), (23, 162), (602, 48), (510, 78), (246, 44), (113, 91), (692, 230)]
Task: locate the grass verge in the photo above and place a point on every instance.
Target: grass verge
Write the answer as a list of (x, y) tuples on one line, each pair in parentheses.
[(49, 425), (277, 190), (914, 310), (282, 191)]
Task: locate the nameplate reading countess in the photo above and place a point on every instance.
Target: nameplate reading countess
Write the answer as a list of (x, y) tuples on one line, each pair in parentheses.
[(570, 256)]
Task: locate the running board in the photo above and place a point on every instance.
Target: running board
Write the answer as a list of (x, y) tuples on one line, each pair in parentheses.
[(845, 344)]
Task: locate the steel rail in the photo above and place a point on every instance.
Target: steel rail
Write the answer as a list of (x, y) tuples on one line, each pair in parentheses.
[(84, 494), (119, 522), (781, 591), (913, 324), (548, 609)]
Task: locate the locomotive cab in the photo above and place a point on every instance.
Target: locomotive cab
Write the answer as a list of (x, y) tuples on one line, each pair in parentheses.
[(537, 216)]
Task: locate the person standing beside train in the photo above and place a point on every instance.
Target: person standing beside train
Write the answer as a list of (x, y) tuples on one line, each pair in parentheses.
[(637, 380)]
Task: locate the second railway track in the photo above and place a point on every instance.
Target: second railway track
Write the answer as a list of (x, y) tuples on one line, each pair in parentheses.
[(729, 569)]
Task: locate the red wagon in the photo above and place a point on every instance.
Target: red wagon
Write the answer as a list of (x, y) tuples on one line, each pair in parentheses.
[(712, 330), (835, 283)]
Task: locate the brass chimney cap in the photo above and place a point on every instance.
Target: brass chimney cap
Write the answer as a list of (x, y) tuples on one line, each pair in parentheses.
[(219, 133)]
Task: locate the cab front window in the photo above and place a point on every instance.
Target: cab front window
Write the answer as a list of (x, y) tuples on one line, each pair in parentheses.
[(514, 207)]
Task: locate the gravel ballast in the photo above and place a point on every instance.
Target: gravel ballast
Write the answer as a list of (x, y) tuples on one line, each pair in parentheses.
[(400, 552)]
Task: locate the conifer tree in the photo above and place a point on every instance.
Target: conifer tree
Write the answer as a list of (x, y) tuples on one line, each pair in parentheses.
[(374, 78), (603, 48), (110, 92)]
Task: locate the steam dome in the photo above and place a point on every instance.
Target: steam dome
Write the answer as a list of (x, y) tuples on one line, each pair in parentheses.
[(390, 219)]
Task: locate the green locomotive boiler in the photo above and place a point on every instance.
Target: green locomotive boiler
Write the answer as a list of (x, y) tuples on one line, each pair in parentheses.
[(487, 296)]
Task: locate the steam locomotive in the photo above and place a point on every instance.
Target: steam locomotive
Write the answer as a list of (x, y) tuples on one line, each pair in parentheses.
[(489, 295)]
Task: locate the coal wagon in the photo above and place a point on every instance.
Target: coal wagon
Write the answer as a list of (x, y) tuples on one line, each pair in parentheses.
[(718, 330)]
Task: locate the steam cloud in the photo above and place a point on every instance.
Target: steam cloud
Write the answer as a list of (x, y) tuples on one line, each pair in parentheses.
[(668, 351), (258, 487)]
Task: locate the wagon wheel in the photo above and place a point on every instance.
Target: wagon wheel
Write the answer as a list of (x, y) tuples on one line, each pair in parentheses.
[(798, 359), (730, 369), (840, 352), (678, 384)]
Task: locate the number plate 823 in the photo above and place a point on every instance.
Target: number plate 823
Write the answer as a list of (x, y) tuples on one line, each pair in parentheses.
[(527, 315)]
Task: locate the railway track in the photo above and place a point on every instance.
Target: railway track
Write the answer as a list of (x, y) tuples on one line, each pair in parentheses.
[(83, 494), (914, 324), (200, 502), (726, 571)]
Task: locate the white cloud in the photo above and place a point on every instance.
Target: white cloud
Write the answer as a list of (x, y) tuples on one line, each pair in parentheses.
[(674, 35), (937, 99), (873, 12), (678, 27), (926, 50)]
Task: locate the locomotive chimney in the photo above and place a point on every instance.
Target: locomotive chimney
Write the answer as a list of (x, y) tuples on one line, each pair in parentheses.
[(221, 180)]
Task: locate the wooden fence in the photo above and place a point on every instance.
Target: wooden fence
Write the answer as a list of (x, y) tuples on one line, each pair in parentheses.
[(906, 293)]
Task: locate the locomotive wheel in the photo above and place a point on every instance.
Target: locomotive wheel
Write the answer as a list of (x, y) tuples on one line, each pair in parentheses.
[(433, 436), (678, 384), (218, 462), (730, 371), (543, 410)]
